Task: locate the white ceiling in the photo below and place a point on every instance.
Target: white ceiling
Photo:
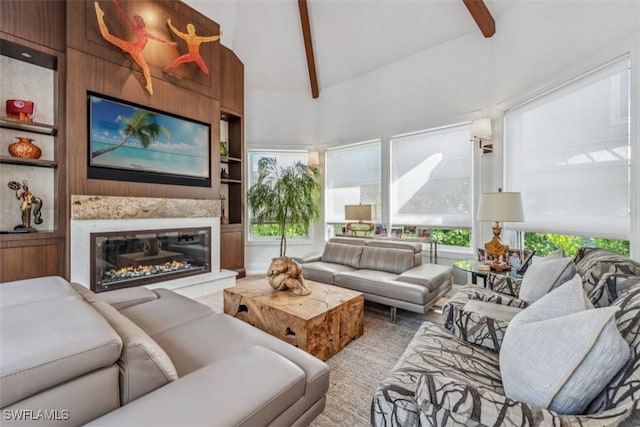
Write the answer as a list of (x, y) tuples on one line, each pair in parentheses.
[(350, 37)]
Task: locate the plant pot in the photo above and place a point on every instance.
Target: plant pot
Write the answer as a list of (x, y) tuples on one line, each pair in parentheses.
[(25, 148)]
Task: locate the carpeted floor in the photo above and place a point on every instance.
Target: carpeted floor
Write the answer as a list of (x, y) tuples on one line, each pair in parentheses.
[(358, 368)]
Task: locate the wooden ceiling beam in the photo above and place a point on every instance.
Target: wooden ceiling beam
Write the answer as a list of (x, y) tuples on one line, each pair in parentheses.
[(482, 16), (308, 47)]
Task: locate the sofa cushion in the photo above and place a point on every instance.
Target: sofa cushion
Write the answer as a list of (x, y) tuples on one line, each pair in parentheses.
[(625, 386), (491, 310), (340, 253), (251, 388), (195, 344), (407, 246), (384, 284), (431, 276), (169, 310), (323, 272), (144, 365), (593, 263), (33, 290), (127, 297), (386, 259), (544, 276), (86, 294), (559, 353), (37, 354)]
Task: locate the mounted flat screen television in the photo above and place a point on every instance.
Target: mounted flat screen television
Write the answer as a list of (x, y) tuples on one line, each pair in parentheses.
[(129, 142)]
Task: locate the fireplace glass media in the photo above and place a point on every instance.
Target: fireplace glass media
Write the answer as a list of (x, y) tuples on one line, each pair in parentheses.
[(131, 258)]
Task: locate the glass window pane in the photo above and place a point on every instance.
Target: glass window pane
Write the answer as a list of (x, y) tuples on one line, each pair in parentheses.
[(272, 231)]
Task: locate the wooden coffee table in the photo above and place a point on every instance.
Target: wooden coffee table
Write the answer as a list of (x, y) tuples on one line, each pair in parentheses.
[(321, 323)]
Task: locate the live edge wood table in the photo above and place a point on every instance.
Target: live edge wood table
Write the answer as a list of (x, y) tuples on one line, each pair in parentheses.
[(321, 323)]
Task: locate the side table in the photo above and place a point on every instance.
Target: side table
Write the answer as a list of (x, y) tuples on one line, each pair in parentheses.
[(472, 267)]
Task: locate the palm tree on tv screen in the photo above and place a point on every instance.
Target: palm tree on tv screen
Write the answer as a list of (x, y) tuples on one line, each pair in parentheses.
[(140, 126)]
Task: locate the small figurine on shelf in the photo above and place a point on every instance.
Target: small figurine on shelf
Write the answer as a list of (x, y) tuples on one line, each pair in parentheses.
[(224, 148), (224, 174), (223, 219), (28, 202)]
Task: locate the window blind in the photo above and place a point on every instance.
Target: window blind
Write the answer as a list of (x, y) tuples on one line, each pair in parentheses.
[(352, 178), (568, 152), (431, 174)]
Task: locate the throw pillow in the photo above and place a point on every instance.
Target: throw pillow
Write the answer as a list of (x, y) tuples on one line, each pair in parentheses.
[(544, 276), (559, 353)]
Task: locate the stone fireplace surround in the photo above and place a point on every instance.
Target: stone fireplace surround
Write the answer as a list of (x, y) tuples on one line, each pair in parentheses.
[(93, 214)]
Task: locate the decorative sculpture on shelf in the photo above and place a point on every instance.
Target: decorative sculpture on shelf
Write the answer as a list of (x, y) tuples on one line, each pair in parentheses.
[(285, 274), (28, 202), (134, 49), (193, 45), (223, 219)]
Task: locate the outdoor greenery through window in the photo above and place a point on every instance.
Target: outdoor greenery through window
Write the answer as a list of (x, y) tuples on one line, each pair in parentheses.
[(457, 237), (545, 243), (271, 231)]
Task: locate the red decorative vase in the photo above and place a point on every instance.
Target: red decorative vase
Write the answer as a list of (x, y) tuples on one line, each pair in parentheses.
[(25, 148)]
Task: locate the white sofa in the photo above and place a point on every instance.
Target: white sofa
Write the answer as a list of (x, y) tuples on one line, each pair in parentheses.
[(136, 357), (385, 271)]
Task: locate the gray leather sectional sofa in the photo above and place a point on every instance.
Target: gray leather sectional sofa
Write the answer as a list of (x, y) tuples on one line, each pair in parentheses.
[(385, 271), (137, 357)]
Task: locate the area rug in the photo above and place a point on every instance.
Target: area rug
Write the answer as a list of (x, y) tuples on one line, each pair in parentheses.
[(357, 369)]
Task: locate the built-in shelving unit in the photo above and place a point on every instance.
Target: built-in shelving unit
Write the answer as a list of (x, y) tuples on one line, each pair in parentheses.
[(33, 72), (232, 189)]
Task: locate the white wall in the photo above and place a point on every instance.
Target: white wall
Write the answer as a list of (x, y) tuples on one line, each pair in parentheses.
[(536, 43)]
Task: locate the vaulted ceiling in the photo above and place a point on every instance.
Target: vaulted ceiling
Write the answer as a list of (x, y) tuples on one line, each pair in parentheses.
[(350, 37)]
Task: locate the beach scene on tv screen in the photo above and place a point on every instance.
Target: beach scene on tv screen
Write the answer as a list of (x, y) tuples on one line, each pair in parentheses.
[(131, 138)]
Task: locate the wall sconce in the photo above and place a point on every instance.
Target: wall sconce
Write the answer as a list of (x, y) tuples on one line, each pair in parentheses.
[(500, 206), (481, 131), (360, 213), (313, 158)]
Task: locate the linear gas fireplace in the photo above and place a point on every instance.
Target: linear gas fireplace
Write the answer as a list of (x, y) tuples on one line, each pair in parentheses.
[(131, 258)]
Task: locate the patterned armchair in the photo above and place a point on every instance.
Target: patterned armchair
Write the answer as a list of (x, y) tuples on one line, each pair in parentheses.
[(606, 275), (444, 381)]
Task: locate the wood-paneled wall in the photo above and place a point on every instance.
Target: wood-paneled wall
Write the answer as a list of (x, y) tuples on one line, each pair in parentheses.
[(93, 64), (38, 21), (98, 66)]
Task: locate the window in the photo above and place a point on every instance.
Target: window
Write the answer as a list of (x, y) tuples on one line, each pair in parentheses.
[(267, 231), (568, 152), (431, 181), (352, 178)]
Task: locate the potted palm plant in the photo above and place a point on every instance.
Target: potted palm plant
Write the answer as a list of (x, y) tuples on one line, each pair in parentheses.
[(284, 195)]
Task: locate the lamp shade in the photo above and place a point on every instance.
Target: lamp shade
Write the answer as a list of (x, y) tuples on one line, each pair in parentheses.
[(359, 212), (481, 129), (500, 207), (313, 158)]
